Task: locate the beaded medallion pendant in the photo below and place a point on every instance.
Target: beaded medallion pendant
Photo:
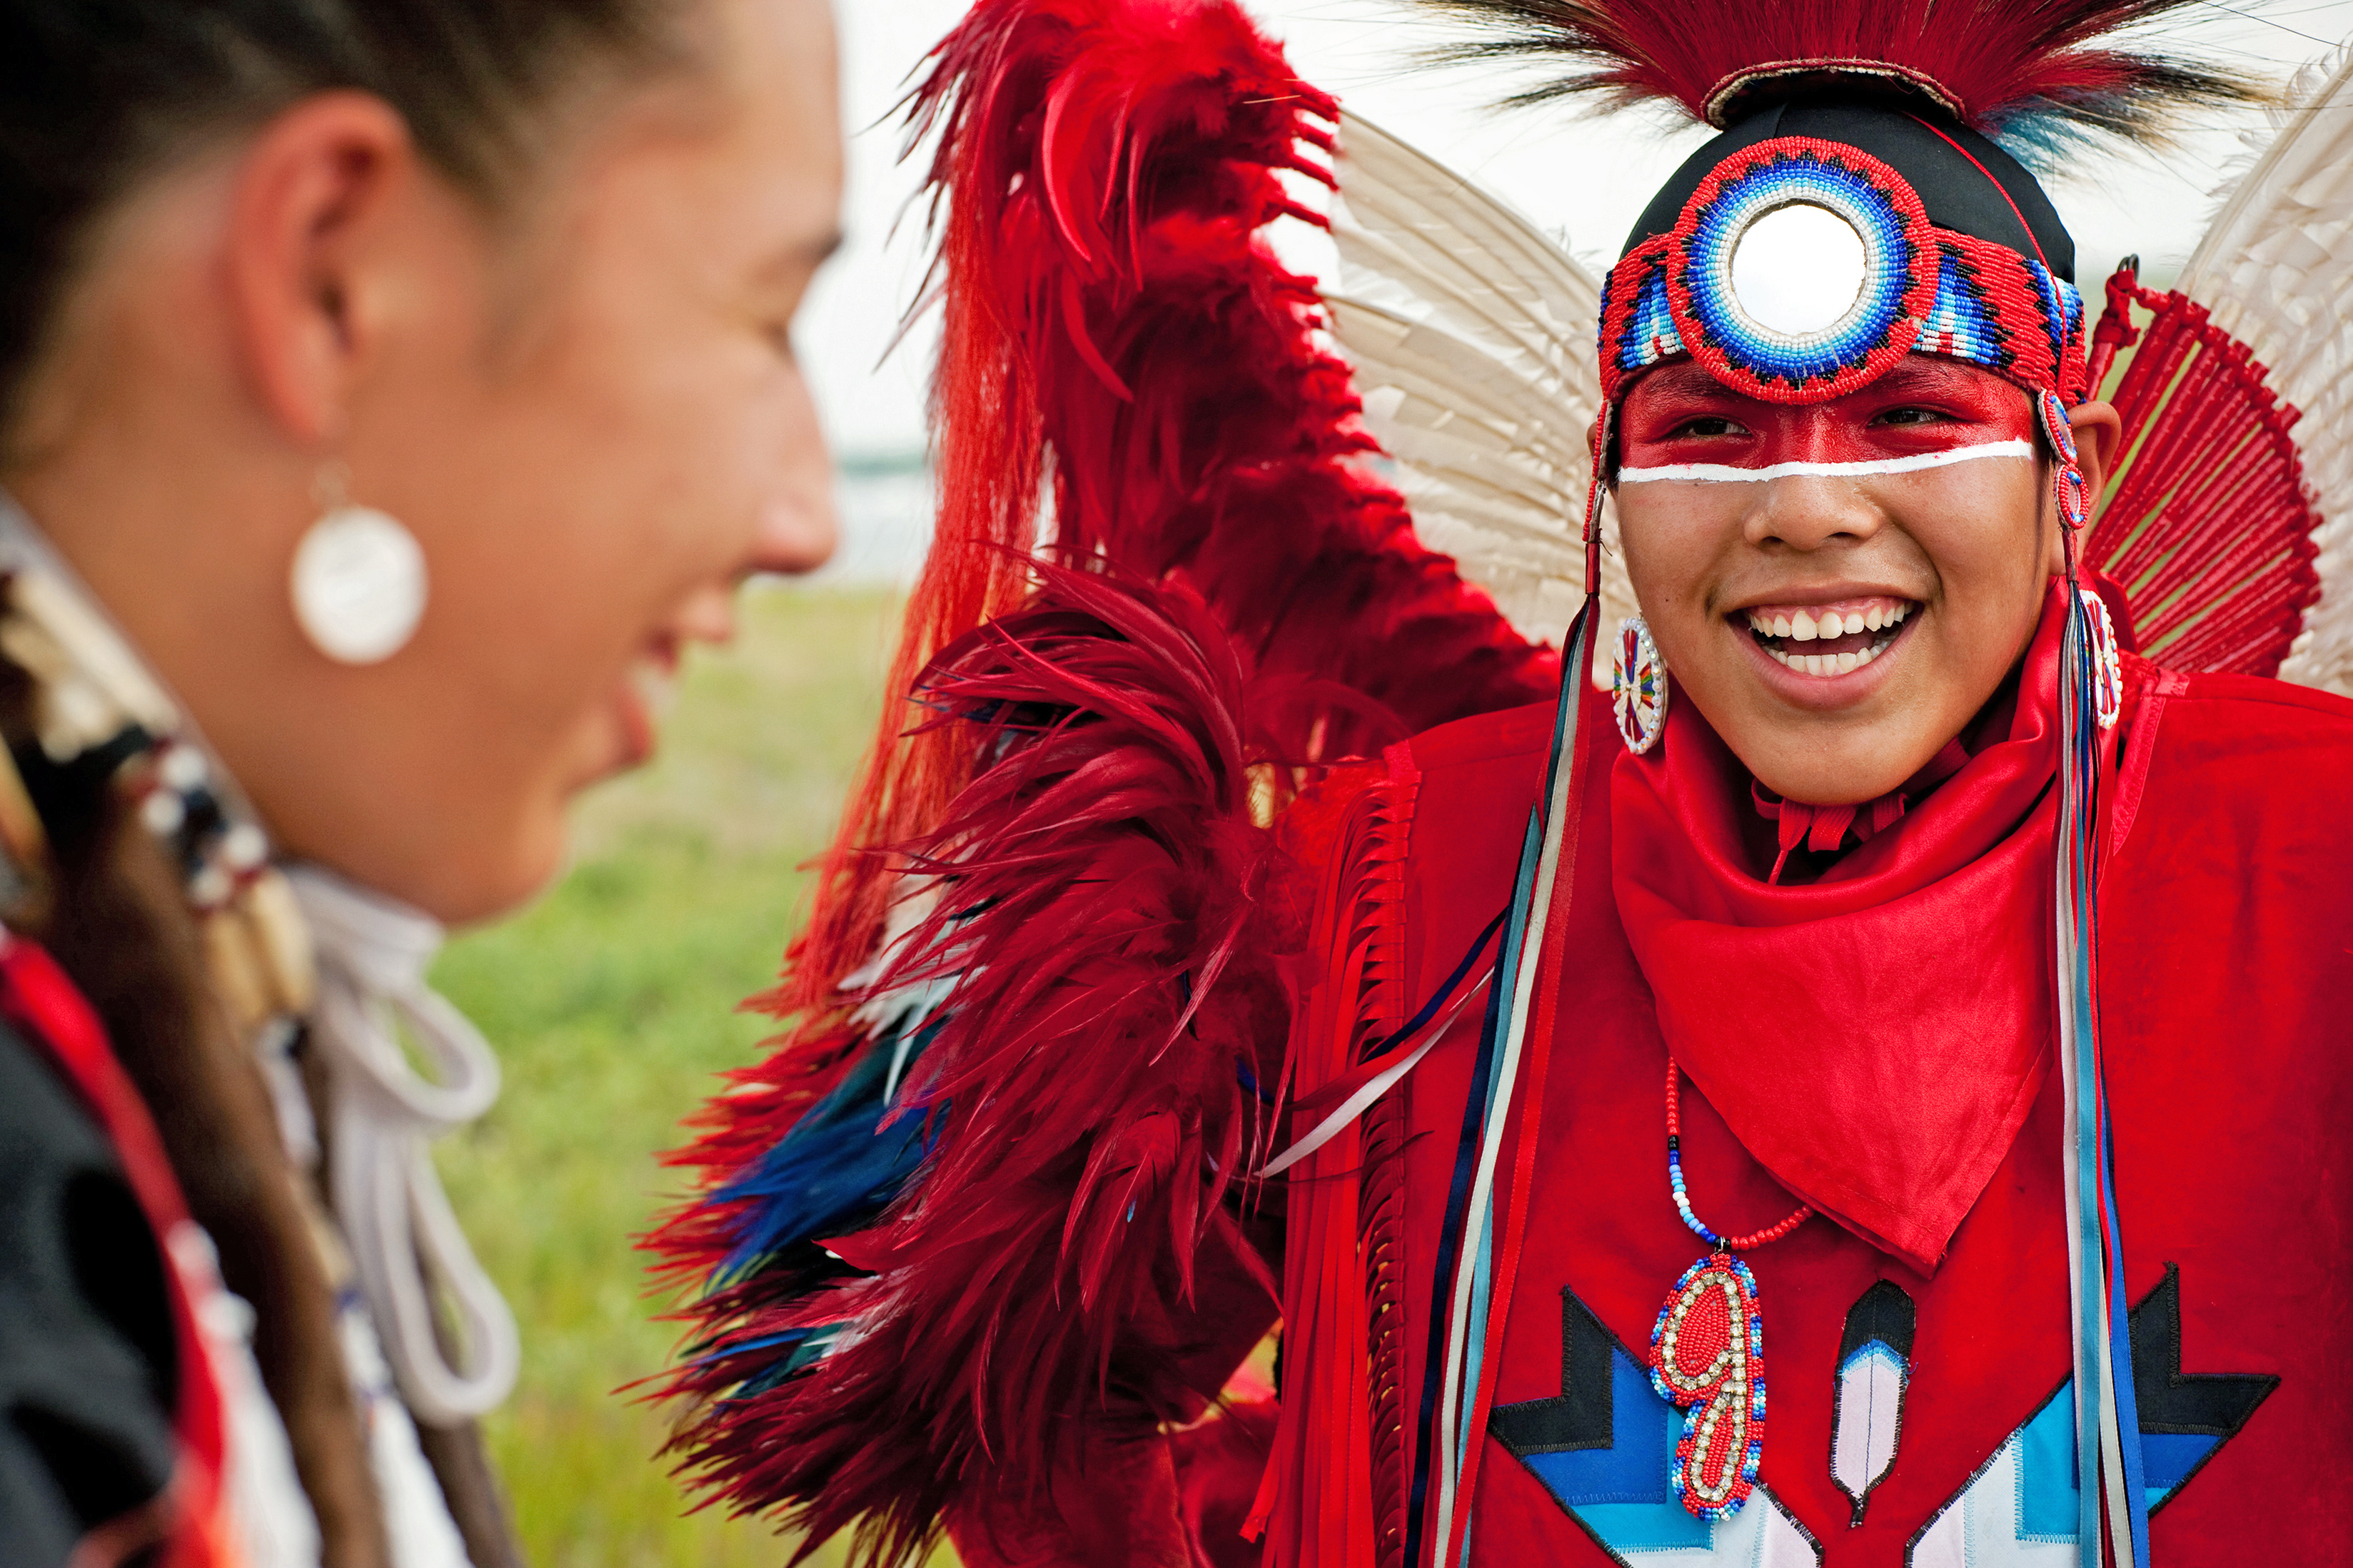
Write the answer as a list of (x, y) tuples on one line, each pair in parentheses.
[(1707, 1358), (1638, 686), (1707, 1350)]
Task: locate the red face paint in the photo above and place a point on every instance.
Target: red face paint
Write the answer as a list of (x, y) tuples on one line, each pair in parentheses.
[(1681, 419)]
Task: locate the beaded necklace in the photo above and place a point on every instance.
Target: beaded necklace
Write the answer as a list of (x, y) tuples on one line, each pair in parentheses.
[(1707, 1350)]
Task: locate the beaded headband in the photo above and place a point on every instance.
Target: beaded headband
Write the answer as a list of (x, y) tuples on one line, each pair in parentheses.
[(1801, 270)]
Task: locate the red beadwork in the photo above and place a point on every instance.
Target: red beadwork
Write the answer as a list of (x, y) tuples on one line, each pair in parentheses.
[(1707, 1352), (1707, 1357), (1755, 1238)]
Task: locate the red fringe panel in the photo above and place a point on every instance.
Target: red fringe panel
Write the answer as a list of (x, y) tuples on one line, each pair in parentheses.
[(1333, 1496)]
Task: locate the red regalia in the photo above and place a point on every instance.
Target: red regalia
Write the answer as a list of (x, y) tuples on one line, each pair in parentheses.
[(1642, 1167), (1931, 1295)]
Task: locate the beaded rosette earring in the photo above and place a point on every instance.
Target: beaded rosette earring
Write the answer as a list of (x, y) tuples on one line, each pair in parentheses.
[(2108, 666), (1638, 686)]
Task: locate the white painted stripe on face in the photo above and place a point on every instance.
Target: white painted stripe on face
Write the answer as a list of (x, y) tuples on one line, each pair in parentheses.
[(1725, 474)]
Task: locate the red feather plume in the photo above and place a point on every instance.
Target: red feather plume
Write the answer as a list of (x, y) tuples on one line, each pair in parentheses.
[(1999, 65), (1120, 342), (1067, 1269)]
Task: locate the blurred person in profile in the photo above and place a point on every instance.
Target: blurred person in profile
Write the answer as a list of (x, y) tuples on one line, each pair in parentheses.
[(390, 391)]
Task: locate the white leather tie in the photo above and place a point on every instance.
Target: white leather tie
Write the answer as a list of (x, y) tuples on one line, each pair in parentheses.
[(372, 958)]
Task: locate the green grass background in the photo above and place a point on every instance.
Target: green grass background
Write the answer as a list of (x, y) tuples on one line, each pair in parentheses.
[(612, 1002)]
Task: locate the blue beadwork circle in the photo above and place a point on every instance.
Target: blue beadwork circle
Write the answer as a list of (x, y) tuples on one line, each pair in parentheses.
[(1786, 180)]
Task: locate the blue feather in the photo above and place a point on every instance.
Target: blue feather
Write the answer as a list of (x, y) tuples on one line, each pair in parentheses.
[(841, 1166)]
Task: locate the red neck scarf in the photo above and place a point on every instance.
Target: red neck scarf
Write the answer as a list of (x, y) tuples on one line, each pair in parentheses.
[(1876, 1036)]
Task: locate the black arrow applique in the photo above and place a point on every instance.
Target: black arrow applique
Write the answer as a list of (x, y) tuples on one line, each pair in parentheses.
[(1604, 1447), (2026, 1491), (2206, 1406), (1580, 1415)]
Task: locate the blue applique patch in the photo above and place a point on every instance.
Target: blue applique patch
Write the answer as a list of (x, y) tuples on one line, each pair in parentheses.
[(1604, 1447), (2021, 1509)]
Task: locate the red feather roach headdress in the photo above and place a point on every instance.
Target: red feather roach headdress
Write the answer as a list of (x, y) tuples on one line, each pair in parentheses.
[(2027, 72)]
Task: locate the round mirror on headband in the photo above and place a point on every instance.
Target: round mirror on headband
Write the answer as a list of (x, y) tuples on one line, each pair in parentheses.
[(1798, 270)]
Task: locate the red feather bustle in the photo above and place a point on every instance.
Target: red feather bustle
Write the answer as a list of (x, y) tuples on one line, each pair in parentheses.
[(1068, 1271), (2207, 527)]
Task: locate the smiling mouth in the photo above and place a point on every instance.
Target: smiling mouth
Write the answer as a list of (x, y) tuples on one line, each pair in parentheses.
[(1829, 640)]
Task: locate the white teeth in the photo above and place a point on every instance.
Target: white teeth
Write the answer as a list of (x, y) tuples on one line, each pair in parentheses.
[(1827, 664), (1804, 626)]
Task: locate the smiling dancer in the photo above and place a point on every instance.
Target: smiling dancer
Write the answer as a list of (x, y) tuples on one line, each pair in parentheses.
[(1896, 990)]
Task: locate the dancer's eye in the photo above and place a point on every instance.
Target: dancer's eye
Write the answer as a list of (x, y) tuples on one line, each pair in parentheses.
[(1708, 425)]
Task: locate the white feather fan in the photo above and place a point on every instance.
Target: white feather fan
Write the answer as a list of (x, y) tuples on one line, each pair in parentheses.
[(2276, 270), (1474, 339)]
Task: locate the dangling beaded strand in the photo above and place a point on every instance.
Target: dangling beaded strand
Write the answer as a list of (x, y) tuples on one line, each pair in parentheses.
[(1755, 1238)]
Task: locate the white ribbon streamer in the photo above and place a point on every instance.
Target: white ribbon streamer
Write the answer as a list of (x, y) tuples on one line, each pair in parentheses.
[(372, 955), (1372, 1088), (1725, 473)]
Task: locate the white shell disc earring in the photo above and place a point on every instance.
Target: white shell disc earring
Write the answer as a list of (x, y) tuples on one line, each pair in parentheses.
[(1638, 686), (358, 582)]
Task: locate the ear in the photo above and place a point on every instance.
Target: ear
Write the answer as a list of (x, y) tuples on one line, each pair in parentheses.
[(2099, 433), (311, 194)]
